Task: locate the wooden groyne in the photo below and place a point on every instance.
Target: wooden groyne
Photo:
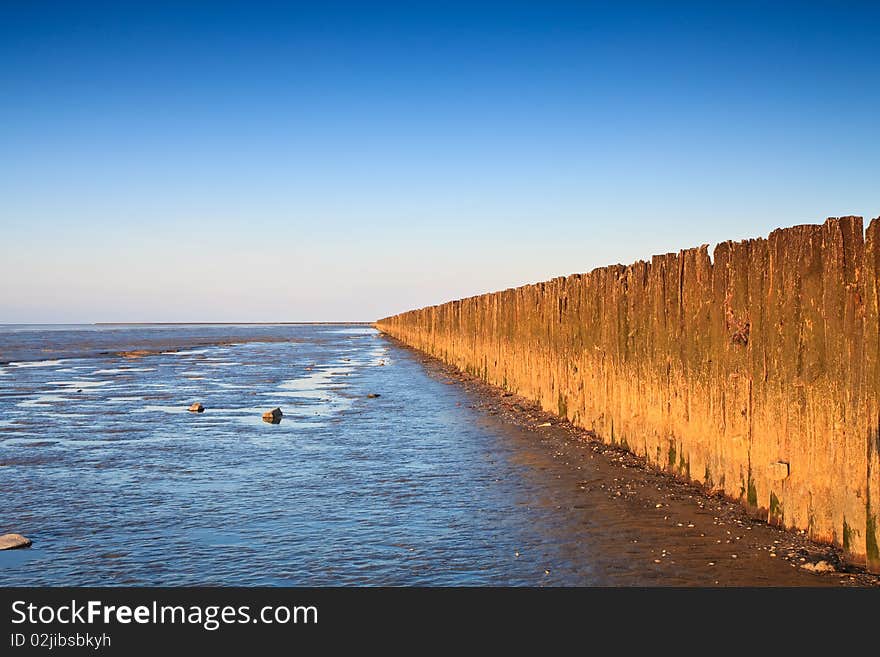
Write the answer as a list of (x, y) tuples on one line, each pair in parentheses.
[(755, 372)]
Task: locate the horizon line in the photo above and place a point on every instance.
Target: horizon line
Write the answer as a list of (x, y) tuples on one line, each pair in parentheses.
[(360, 322)]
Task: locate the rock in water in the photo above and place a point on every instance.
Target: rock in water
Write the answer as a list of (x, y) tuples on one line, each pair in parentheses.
[(274, 416), (13, 541), (197, 408), (373, 395)]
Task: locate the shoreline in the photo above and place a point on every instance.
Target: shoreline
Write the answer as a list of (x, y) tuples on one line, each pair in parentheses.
[(158, 342), (653, 488), (212, 324)]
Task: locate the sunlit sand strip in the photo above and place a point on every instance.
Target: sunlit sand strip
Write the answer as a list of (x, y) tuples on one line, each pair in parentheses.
[(287, 423), (43, 401), (185, 352), (301, 394), (182, 408), (310, 382), (366, 330), (378, 355), (124, 370), (252, 410), (38, 363), (210, 413)]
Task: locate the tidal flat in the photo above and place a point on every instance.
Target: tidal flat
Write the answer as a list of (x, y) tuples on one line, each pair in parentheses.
[(385, 469)]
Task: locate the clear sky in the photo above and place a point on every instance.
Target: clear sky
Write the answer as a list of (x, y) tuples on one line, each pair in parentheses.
[(214, 161)]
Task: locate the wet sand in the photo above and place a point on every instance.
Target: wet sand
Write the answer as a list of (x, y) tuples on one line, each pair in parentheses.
[(687, 535)]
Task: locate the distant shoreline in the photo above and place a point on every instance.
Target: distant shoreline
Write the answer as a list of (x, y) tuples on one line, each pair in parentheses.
[(226, 323), (187, 323)]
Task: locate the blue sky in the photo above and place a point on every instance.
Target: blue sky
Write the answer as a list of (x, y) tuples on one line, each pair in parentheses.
[(214, 161)]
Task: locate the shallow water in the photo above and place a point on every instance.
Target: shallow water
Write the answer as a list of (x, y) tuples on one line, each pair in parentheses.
[(117, 483)]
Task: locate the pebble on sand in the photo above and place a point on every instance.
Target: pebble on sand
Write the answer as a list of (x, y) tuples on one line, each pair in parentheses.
[(273, 417), (197, 408), (818, 567), (13, 542)]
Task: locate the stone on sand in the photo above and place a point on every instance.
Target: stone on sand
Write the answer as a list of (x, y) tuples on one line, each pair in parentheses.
[(819, 567)]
